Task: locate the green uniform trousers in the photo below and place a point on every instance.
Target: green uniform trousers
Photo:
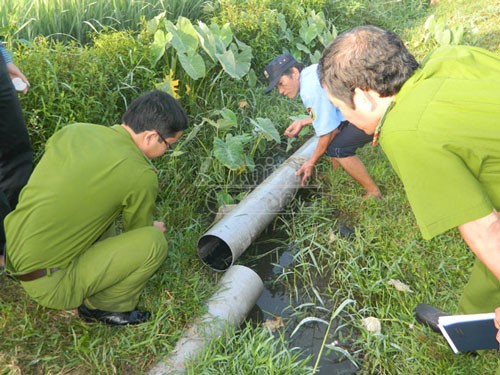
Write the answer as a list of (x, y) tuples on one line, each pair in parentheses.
[(109, 276), (482, 292)]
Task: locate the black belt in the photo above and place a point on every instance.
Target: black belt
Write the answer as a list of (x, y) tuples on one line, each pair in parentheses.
[(34, 275)]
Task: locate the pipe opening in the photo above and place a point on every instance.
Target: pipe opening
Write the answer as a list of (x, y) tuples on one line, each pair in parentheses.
[(215, 253)]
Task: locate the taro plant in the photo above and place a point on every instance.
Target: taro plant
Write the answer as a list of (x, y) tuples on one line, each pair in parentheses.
[(271, 26), (230, 149), (227, 119), (233, 150), (315, 33), (441, 32), (196, 46), (191, 53)]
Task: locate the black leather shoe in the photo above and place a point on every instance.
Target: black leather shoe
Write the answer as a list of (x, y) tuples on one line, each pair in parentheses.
[(429, 316), (113, 318)]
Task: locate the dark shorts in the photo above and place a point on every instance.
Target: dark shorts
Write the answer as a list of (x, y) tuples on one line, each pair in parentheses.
[(347, 141)]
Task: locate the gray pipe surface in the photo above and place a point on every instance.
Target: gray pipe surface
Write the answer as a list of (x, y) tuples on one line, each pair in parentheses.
[(238, 291), (222, 244)]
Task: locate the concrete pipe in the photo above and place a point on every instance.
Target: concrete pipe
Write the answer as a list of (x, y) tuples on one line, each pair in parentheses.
[(238, 291), (222, 244)]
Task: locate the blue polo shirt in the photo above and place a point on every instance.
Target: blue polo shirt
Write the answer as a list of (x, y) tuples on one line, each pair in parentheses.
[(326, 117)]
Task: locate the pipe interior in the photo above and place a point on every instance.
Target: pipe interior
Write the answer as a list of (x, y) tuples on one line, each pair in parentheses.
[(215, 253)]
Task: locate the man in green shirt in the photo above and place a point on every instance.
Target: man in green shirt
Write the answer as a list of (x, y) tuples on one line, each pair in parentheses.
[(439, 125), (61, 243)]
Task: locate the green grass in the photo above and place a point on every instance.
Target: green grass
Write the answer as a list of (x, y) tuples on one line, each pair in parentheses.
[(329, 269), (387, 246), (252, 350), (478, 17)]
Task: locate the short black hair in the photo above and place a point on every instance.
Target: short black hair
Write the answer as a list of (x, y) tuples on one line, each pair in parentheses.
[(156, 110), (367, 57)]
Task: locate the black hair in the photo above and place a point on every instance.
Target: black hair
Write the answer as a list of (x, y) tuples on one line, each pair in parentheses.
[(156, 110), (366, 57)]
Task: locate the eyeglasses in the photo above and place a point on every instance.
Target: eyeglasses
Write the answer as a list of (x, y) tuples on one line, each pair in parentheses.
[(169, 145)]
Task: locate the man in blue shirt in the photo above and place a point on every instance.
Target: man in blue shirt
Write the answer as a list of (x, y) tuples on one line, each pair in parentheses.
[(337, 137)]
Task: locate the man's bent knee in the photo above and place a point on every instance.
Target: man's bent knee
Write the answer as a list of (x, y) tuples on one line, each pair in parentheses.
[(158, 242)]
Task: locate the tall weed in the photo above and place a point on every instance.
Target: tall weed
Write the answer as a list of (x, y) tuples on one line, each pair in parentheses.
[(70, 83), (77, 19)]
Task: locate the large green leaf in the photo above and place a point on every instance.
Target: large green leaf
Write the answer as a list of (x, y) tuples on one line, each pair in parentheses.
[(227, 121), (193, 65), (230, 153), (235, 63), (267, 128), (155, 23), (457, 34), (309, 32), (184, 37), (224, 33), (315, 57), (317, 19), (252, 78), (443, 37), (159, 44), (213, 39), (327, 37), (207, 40), (302, 48), (228, 115)]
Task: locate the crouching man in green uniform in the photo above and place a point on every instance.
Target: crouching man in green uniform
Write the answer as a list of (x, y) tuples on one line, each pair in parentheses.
[(439, 125), (60, 240)]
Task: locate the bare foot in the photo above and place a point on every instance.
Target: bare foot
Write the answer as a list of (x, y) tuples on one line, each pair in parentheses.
[(2, 261)]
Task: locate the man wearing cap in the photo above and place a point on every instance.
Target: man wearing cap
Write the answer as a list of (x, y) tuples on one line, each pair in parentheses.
[(337, 137), (61, 244)]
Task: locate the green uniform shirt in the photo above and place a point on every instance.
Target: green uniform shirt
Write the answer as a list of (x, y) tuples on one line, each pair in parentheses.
[(88, 176), (442, 137)]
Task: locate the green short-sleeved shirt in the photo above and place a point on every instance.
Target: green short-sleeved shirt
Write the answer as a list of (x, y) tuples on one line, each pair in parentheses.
[(442, 137), (88, 176)]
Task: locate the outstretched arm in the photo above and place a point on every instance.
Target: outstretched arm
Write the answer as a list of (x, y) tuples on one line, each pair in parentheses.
[(307, 168), (295, 127)]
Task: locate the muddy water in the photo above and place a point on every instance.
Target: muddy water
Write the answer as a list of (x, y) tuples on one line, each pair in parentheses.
[(270, 258)]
